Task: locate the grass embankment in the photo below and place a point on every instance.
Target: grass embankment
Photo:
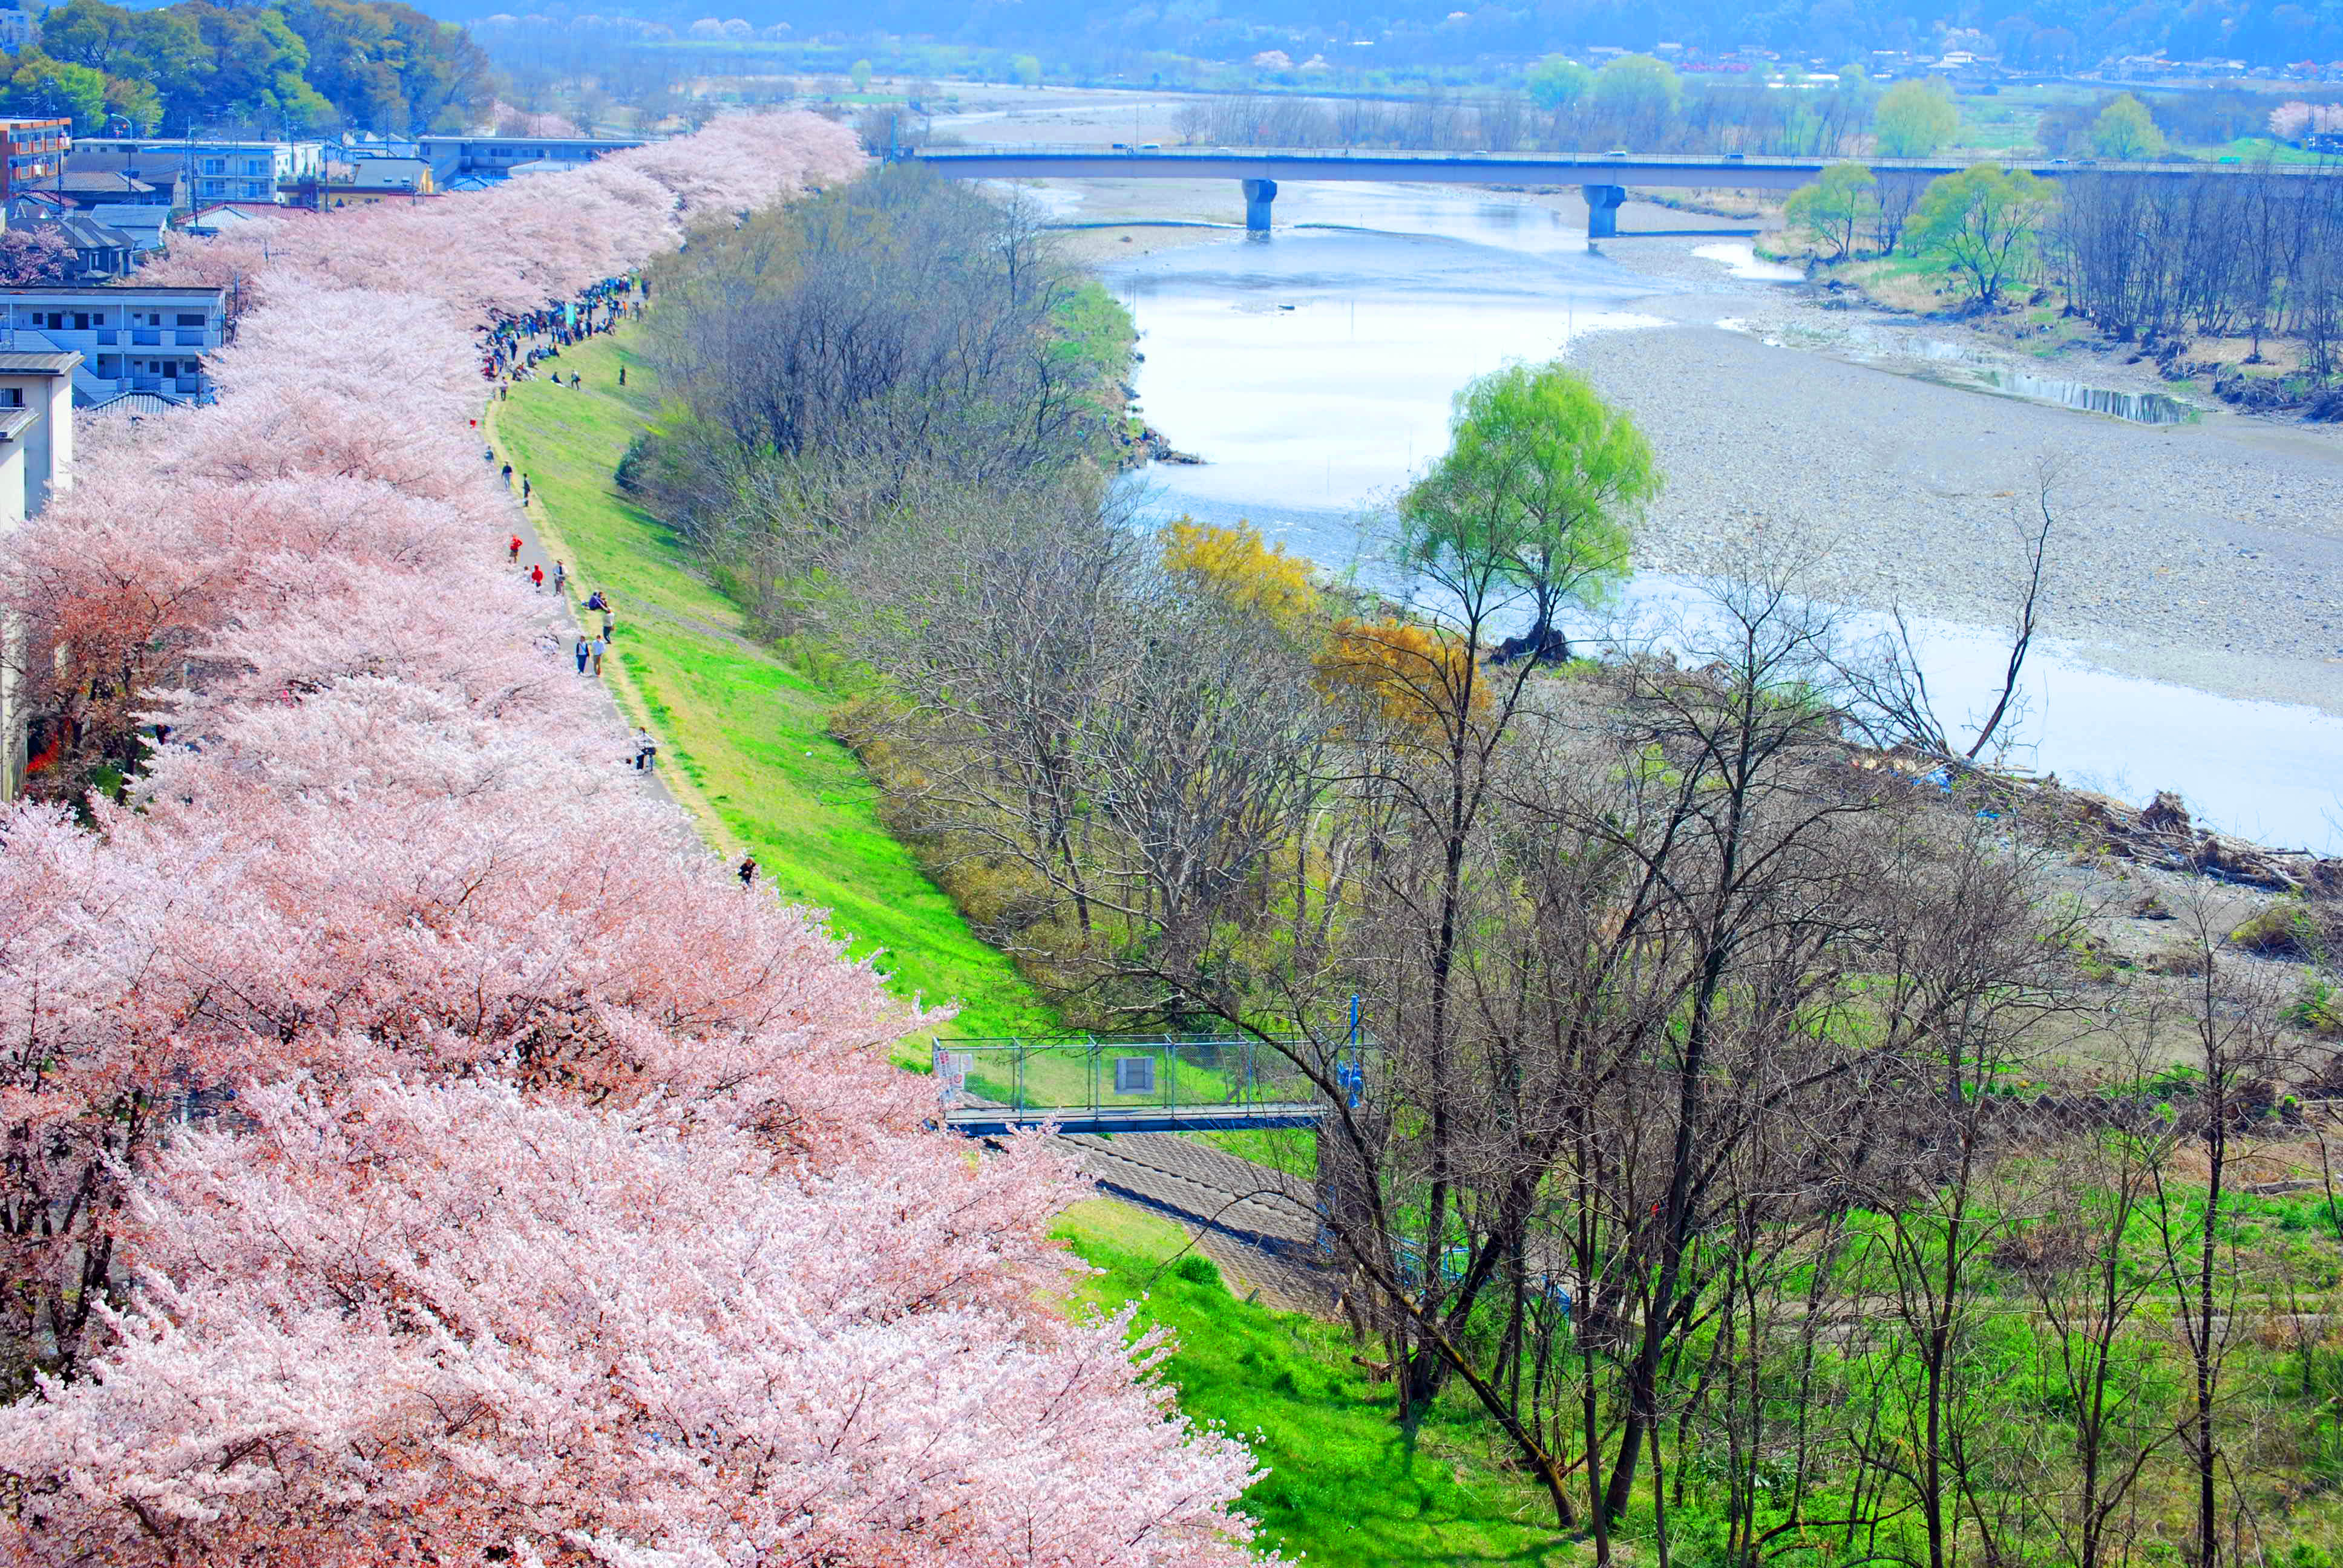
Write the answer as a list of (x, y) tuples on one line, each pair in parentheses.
[(741, 735), (1343, 1486), (744, 738)]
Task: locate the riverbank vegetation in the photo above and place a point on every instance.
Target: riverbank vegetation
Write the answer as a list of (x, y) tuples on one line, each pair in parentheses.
[(1747, 1131), (743, 724), (2231, 279)]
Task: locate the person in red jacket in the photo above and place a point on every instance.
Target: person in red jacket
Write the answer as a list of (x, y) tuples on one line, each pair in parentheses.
[(537, 576), (512, 548)]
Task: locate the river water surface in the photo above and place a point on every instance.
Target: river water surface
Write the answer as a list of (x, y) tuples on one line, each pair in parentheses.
[(1312, 372)]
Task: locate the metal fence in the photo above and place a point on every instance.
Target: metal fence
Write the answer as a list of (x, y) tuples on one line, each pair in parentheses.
[(1122, 1083)]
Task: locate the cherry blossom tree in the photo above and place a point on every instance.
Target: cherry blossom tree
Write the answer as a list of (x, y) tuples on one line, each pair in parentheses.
[(2290, 122), (36, 254), (504, 120), (420, 1148), (386, 1326)]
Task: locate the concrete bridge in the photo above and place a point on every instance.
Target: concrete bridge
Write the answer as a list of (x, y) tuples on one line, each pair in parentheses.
[(1601, 178)]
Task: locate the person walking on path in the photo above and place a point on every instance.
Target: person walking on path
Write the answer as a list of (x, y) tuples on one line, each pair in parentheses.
[(646, 751), (561, 575), (609, 625), (512, 550), (581, 653), (747, 870), (507, 476), (600, 647), (537, 576), (524, 489)]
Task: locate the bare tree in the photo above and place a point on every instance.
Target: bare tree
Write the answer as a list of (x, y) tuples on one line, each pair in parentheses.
[(2088, 1293), (2229, 1016), (1888, 682)]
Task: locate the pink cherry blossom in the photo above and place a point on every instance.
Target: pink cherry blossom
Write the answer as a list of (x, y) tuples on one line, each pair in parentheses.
[(2292, 121), (403, 1324)]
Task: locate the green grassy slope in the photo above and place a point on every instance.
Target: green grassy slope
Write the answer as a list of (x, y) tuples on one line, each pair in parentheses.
[(1342, 1487), (744, 730)]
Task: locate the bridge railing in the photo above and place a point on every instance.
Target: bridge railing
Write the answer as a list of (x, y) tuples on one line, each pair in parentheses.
[(1589, 158), (1091, 1075)]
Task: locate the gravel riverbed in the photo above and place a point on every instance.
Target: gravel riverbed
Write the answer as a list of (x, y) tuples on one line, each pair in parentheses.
[(2209, 553)]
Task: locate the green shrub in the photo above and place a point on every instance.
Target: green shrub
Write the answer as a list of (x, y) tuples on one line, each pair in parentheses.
[(2284, 930), (1198, 1270), (2318, 1006)]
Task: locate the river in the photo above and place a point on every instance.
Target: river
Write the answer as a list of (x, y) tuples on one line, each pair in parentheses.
[(1313, 371)]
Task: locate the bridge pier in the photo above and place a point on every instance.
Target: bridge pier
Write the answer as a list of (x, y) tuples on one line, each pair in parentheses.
[(1602, 210), (1258, 195)]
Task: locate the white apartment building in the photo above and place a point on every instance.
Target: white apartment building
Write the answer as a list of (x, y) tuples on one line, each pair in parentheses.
[(36, 430), (494, 158), (126, 337), (217, 170)]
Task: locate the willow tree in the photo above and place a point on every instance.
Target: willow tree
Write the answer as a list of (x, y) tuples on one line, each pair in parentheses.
[(1835, 208), (1980, 227), (1539, 492)]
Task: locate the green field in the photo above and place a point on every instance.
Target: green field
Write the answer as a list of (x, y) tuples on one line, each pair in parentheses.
[(745, 732)]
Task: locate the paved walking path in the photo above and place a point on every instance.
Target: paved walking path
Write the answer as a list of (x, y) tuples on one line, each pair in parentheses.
[(561, 614)]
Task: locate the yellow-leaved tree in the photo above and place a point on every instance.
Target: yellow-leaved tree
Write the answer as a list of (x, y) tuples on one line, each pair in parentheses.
[(1240, 566)]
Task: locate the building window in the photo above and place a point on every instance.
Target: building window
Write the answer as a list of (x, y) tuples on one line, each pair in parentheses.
[(187, 319), (12, 397), (214, 166)]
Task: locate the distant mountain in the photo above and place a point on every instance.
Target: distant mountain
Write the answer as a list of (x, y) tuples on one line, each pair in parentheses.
[(2050, 35)]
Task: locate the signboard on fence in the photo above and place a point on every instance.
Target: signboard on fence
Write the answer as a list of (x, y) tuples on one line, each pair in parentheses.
[(951, 1074)]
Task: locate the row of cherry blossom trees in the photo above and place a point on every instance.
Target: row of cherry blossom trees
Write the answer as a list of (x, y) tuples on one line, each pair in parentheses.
[(416, 1151)]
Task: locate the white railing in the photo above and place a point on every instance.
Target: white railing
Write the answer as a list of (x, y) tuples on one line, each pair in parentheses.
[(1720, 161)]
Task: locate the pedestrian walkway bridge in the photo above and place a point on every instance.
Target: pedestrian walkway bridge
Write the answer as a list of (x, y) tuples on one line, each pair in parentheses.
[(1157, 1084)]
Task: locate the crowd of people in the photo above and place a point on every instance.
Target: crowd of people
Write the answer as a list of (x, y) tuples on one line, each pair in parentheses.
[(512, 346), (515, 345)]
